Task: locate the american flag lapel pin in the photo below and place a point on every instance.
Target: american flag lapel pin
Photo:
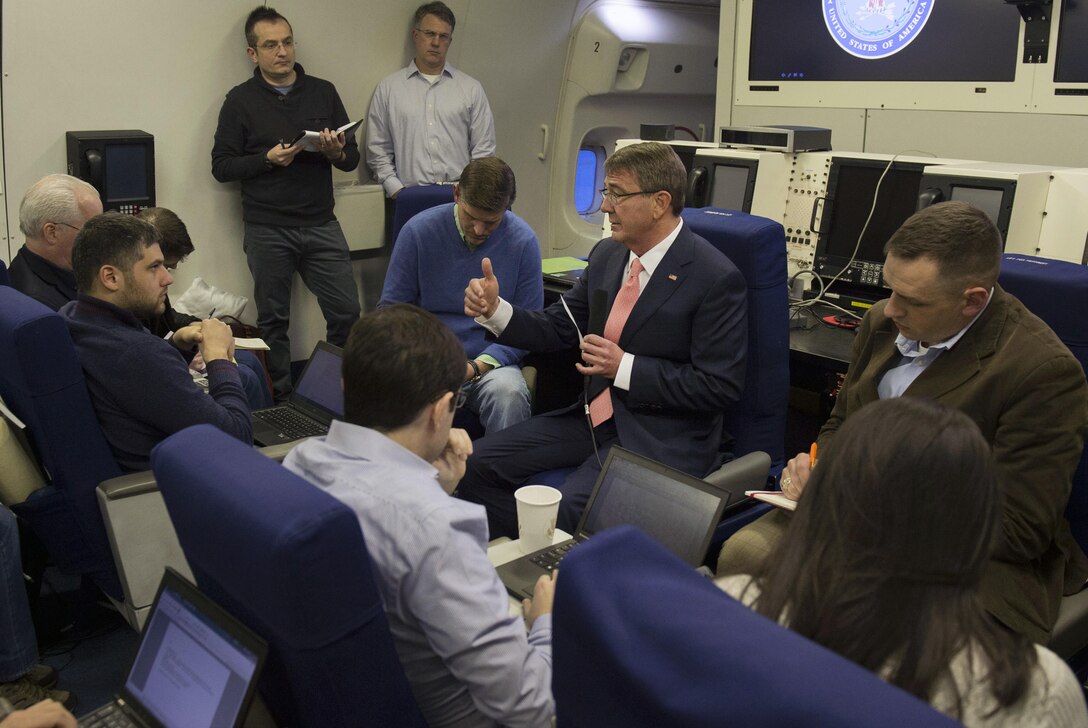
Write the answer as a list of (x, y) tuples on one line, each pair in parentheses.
[(672, 276)]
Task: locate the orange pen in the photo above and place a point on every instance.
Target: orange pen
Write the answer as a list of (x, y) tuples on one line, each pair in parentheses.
[(812, 455)]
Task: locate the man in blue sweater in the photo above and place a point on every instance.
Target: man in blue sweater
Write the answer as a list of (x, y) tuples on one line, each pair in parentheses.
[(439, 250), (139, 383)]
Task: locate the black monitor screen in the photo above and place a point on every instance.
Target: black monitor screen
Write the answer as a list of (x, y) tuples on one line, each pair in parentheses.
[(664, 505), (850, 189), (882, 40), (729, 187), (1071, 62), (126, 172), (989, 200)]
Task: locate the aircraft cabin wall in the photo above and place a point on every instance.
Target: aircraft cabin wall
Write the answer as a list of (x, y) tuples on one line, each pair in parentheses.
[(123, 64)]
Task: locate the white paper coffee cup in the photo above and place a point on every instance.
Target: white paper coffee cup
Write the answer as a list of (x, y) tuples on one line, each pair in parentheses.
[(538, 507)]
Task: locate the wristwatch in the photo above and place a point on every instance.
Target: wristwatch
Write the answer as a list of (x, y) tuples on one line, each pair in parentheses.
[(475, 368)]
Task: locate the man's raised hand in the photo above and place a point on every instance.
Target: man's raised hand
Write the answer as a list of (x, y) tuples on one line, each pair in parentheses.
[(482, 294)]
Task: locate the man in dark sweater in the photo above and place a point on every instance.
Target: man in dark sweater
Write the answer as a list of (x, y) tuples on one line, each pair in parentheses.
[(139, 383), (287, 200), (51, 213)]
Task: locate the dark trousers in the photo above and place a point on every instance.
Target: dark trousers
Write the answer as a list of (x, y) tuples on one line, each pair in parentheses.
[(320, 256), (503, 462)]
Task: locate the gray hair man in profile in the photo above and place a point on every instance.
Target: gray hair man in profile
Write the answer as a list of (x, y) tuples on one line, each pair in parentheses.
[(52, 212)]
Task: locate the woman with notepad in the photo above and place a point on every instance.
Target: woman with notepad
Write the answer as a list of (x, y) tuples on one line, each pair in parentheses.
[(882, 563)]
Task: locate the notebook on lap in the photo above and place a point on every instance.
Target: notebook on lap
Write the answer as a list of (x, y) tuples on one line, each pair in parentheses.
[(196, 666), (678, 510), (316, 401)]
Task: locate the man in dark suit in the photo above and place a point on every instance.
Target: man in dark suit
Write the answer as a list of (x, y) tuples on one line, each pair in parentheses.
[(951, 334), (670, 360)]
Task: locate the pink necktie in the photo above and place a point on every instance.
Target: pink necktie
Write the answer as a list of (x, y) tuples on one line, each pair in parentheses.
[(600, 409)]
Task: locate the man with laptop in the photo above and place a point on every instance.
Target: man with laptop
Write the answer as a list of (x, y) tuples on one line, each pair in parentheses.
[(394, 460), (139, 383), (316, 401)]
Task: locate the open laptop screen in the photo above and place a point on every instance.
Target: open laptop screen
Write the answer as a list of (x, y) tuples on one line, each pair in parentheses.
[(319, 384), (190, 671), (675, 509)]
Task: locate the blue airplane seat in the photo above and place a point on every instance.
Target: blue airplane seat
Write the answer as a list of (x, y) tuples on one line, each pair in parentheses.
[(414, 200), (640, 638), (42, 382), (290, 561), (1057, 292), (757, 422)]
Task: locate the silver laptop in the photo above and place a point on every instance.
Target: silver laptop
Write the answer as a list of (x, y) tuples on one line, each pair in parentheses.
[(678, 510), (196, 666), (316, 401)]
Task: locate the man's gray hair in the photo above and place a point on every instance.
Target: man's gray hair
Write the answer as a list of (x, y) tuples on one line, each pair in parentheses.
[(53, 198)]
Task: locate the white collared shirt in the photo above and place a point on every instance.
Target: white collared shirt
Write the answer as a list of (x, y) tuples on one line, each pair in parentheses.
[(916, 358), (650, 260)]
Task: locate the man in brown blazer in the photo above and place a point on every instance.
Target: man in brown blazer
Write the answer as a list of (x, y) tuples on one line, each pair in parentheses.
[(950, 333)]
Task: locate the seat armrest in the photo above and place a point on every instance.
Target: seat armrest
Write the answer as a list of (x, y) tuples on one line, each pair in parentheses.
[(278, 452), (124, 486), (142, 540), (755, 465)]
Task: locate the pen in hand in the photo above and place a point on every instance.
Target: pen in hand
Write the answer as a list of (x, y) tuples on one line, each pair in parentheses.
[(812, 455)]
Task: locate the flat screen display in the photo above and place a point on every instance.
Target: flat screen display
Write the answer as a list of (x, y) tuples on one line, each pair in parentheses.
[(126, 172), (884, 40), (1071, 61), (850, 189), (730, 185), (986, 199)]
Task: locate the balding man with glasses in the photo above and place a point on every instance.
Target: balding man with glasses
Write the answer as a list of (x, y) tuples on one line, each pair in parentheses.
[(287, 200), (427, 121), (670, 361)]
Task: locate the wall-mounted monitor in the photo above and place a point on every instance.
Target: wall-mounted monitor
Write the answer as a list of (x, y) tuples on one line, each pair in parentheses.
[(1061, 85), (959, 54), (843, 247), (992, 196), (1071, 56), (716, 181), (1012, 195), (120, 164)]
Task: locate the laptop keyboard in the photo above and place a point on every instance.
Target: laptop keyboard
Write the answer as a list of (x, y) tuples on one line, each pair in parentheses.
[(291, 423), (549, 560), (108, 716)]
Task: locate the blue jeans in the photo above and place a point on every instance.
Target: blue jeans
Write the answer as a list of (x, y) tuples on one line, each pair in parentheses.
[(500, 398), (254, 380), (18, 646), (320, 255)]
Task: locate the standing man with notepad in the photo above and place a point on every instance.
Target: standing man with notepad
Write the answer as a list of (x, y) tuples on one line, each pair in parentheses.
[(287, 200)]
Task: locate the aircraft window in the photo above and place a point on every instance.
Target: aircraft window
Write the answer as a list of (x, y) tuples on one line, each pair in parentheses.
[(587, 178)]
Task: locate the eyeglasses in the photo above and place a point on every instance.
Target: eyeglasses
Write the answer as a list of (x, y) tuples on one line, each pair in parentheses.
[(77, 229), (271, 46), (459, 400), (615, 198), (431, 35)]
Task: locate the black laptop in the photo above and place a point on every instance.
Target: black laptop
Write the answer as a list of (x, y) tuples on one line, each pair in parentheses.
[(316, 401), (196, 666), (678, 510)]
